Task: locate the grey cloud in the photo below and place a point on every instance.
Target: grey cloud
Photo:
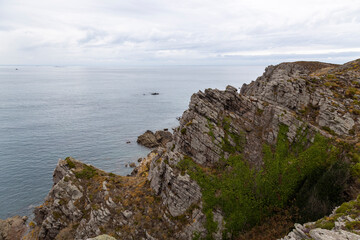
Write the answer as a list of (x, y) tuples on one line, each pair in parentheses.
[(144, 32)]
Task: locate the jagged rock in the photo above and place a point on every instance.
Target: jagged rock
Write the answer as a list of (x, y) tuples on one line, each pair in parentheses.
[(86, 202), (178, 191), (102, 237), (148, 139), (149, 237), (127, 213), (323, 234), (285, 94), (293, 86), (163, 137), (337, 223), (13, 228), (151, 140)]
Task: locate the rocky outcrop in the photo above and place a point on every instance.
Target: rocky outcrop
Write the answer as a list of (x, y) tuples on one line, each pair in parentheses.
[(233, 159), (151, 140), (13, 228), (310, 92), (220, 124), (342, 224), (85, 202)]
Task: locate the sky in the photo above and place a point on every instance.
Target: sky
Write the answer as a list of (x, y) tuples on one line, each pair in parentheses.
[(169, 32)]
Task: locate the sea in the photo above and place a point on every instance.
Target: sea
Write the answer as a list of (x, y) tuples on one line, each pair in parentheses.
[(48, 113)]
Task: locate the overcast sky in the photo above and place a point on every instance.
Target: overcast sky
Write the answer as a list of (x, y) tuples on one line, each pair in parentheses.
[(172, 32)]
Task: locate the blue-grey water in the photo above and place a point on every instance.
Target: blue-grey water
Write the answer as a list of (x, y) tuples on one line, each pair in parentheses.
[(47, 113)]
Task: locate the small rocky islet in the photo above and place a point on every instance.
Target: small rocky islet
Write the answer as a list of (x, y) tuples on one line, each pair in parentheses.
[(278, 160)]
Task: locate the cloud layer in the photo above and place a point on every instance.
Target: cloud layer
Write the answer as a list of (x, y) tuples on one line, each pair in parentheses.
[(141, 32)]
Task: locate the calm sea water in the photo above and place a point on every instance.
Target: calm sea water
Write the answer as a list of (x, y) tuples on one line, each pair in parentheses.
[(47, 113)]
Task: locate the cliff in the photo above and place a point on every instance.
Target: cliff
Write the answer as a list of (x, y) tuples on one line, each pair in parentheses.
[(286, 147)]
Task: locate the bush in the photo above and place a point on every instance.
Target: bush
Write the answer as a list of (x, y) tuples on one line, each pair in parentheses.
[(246, 196), (183, 131), (70, 163), (87, 172)]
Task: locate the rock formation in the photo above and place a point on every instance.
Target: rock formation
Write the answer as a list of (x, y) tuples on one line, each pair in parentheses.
[(342, 224), (151, 140), (288, 139), (13, 228)]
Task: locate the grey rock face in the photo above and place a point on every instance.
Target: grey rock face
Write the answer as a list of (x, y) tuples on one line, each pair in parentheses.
[(256, 121), (323, 234), (289, 93), (62, 189), (292, 86), (163, 137), (178, 191)]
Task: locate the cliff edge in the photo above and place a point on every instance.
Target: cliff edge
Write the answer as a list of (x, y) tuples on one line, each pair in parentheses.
[(285, 147)]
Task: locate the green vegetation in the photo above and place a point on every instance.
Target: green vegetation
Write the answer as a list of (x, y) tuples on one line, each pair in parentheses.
[(350, 92), (238, 139), (354, 225), (189, 123), (245, 195), (349, 208), (329, 130), (325, 224), (259, 111), (211, 129), (87, 172), (70, 163), (57, 215), (183, 131)]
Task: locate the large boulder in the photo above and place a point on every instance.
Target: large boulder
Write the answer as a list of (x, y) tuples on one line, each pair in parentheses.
[(148, 139), (152, 140)]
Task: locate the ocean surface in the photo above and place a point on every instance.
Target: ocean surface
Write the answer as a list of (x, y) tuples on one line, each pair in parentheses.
[(47, 113)]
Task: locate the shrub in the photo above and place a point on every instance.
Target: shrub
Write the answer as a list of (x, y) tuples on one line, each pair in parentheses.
[(183, 131), (329, 130), (325, 225), (87, 172), (70, 163), (353, 225), (244, 195)]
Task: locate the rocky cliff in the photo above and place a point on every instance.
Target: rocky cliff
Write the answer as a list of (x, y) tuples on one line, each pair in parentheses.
[(285, 147)]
